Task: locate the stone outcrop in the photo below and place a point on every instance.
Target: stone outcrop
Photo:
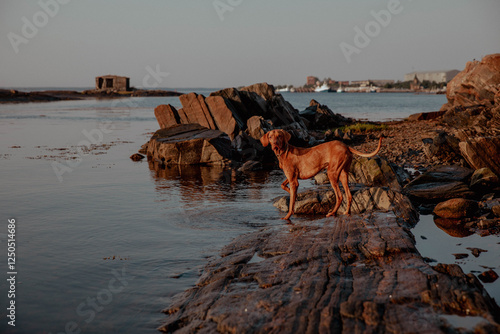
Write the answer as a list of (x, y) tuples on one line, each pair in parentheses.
[(358, 274), (473, 112), (229, 110), (243, 114), (189, 144), (477, 84), (482, 152), (320, 117)]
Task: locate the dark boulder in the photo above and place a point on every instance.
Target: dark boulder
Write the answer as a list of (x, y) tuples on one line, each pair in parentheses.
[(321, 117), (189, 144)]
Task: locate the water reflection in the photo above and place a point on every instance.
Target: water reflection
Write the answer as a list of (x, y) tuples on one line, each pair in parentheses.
[(219, 192), (453, 227)]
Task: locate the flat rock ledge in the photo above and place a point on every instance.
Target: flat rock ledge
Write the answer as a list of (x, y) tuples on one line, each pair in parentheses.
[(351, 274)]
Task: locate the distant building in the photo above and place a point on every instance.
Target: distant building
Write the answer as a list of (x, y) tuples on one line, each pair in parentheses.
[(415, 83), (112, 82), (381, 83), (361, 83), (367, 83), (437, 76), (312, 80)]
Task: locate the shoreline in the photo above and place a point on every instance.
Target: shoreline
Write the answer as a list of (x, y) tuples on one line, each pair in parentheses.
[(15, 96)]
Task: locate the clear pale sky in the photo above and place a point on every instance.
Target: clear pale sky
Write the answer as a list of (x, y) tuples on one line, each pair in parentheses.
[(224, 43)]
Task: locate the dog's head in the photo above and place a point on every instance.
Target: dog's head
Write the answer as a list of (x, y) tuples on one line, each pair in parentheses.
[(278, 140)]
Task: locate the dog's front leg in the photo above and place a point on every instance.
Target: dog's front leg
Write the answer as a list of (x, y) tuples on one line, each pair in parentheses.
[(294, 184)]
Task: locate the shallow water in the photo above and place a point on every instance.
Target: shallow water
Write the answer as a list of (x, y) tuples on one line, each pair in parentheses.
[(103, 243)]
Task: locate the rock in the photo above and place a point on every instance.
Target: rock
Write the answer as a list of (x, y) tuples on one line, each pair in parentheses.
[(321, 117), (137, 157), (489, 276), (476, 251), (443, 146), (231, 111), (264, 90), (460, 256), (166, 115), (144, 148), (482, 152), (250, 166), (425, 116), (189, 144), (338, 275), (440, 183), (257, 127), (197, 111), (245, 104), (487, 224), (435, 192), (496, 210), (484, 179), (375, 172), (443, 173), (225, 116), (322, 178), (310, 202), (456, 208), (320, 201), (477, 84)]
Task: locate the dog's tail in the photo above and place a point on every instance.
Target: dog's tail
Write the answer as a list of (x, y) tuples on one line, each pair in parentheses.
[(368, 155)]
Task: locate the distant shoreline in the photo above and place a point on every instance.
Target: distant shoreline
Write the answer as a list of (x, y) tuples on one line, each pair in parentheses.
[(15, 96)]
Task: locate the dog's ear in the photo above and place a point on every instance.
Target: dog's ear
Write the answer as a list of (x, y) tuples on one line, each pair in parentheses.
[(287, 135), (265, 139)]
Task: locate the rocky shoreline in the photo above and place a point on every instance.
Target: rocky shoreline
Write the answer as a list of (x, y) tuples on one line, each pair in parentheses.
[(14, 96), (360, 273)]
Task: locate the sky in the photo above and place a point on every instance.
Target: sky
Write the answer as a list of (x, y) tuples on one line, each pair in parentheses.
[(231, 43)]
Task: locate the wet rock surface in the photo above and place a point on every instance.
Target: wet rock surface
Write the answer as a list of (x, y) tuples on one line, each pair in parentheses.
[(362, 273), (353, 274)]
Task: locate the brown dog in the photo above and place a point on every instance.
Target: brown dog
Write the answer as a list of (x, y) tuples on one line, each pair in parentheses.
[(304, 163)]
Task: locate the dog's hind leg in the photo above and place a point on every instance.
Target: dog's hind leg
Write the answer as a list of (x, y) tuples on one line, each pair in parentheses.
[(344, 178), (333, 175)]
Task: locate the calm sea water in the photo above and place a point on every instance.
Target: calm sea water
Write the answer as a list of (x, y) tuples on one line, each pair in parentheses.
[(103, 243)]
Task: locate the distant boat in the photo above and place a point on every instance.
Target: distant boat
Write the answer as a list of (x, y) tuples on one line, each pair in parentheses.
[(322, 88), (373, 89), (340, 90), (286, 89)]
